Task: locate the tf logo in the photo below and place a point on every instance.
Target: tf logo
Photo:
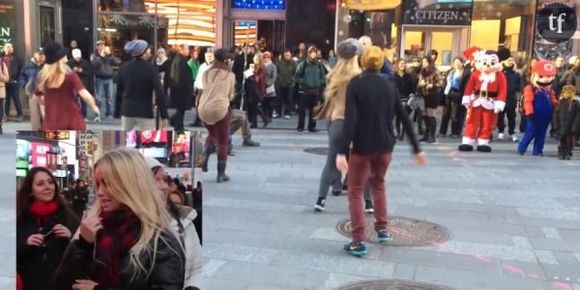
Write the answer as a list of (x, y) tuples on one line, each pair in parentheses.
[(556, 22)]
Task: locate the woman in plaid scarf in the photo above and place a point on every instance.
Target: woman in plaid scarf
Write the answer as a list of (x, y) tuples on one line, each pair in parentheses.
[(125, 241)]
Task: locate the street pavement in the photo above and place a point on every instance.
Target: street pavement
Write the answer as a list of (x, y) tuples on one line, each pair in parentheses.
[(514, 221)]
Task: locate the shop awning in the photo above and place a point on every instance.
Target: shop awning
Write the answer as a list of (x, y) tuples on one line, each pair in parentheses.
[(372, 4)]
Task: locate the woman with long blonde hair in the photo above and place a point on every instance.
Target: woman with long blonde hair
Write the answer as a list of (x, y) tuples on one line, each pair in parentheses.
[(58, 89), (333, 110), (126, 240)]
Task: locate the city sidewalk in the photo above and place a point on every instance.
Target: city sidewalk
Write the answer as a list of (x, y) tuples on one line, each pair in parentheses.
[(514, 221)]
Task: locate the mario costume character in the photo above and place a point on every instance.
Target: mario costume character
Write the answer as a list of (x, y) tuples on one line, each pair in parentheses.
[(484, 97), (539, 101)]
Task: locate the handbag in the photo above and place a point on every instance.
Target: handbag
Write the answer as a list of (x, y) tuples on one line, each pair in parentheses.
[(416, 102), (270, 91)]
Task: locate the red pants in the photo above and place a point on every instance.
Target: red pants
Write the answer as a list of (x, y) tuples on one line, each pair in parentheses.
[(480, 123), (219, 133), (363, 168)]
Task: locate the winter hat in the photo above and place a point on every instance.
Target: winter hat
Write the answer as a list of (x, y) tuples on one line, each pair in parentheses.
[(76, 53), (54, 52), (348, 48), (544, 68), (152, 162), (136, 47), (222, 54), (503, 53), (373, 58)]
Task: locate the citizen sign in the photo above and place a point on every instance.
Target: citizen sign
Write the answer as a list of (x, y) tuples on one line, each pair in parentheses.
[(437, 15)]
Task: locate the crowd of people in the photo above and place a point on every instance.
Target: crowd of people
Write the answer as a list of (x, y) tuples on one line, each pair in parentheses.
[(136, 234)]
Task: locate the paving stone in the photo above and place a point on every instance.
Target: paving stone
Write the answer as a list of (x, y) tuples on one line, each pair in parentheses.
[(336, 280), (555, 245), (552, 233), (404, 272), (546, 257), (522, 242), (212, 266)]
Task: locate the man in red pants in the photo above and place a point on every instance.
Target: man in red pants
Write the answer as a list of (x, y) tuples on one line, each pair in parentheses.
[(484, 97)]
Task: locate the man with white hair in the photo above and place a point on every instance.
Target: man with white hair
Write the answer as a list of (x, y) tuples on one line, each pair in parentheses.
[(82, 68), (367, 42)]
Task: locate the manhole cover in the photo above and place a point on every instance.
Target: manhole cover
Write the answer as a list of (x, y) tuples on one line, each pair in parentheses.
[(391, 285), (317, 150), (407, 232)]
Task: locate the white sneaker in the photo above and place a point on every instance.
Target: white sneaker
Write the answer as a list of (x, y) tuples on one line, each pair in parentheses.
[(287, 117), (97, 119), (500, 136), (515, 138), (274, 115)]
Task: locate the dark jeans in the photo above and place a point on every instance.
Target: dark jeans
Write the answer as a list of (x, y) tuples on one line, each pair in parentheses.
[(254, 110), (218, 136), (400, 129), (459, 122), (363, 168), (511, 116), (177, 120), (566, 145), (13, 93), (286, 98), (268, 106), (104, 95), (307, 102), (447, 110)]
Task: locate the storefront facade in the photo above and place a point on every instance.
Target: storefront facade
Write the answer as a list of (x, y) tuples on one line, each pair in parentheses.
[(413, 28)]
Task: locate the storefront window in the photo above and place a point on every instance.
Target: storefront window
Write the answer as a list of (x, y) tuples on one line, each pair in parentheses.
[(47, 24), (8, 27), (503, 23), (159, 22)]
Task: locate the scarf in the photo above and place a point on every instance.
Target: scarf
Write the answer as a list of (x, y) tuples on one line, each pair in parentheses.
[(160, 61), (42, 210), (121, 230)]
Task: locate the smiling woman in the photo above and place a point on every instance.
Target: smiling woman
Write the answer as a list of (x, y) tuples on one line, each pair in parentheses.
[(44, 228)]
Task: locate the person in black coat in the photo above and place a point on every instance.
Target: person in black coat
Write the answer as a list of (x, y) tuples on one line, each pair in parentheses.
[(405, 85), (514, 85), (45, 225), (163, 65), (82, 68), (80, 197), (566, 121), (116, 248), (15, 65), (181, 88)]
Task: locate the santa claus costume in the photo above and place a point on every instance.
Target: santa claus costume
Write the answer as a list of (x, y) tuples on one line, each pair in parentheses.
[(539, 102), (484, 97)]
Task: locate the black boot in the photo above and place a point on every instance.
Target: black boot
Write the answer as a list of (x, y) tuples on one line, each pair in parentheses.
[(432, 121), (222, 177), (206, 154), (426, 131)]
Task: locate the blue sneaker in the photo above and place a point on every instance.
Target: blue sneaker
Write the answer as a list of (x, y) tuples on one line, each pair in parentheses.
[(357, 249), (384, 236)]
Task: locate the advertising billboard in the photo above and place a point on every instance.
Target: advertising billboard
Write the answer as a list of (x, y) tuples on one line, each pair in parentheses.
[(7, 22)]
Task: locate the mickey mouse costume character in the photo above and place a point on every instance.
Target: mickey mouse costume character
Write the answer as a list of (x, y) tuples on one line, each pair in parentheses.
[(539, 101), (485, 97)]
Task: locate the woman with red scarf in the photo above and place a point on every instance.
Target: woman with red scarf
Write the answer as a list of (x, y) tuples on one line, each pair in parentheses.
[(44, 228), (126, 240)]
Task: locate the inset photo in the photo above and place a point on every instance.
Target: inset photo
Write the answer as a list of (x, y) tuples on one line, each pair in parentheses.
[(110, 209)]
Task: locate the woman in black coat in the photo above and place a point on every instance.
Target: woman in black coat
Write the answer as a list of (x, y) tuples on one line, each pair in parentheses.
[(125, 242), (181, 87), (44, 228), (405, 85)]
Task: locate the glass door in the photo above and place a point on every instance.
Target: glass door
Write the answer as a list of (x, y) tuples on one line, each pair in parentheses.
[(48, 22), (448, 42)]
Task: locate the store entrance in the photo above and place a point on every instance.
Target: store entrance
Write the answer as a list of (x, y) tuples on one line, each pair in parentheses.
[(449, 42), (268, 34)]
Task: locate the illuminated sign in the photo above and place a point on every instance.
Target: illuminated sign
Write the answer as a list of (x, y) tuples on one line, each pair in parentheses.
[(57, 135), (39, 154), (260, 4), (7, 22), (430, 12)]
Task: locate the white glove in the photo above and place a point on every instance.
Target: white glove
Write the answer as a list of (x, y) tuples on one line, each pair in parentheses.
[(466, 101), (498, 107)]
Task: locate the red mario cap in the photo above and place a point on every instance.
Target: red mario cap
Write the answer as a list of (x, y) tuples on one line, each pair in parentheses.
[(545, 68)]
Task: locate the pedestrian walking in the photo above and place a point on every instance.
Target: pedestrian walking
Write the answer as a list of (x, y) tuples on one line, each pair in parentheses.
[(43, 229), (126, 240), (213, 108), (371, 103), (58, 89), (181, 92), (102, 61), (182, 221), (82, 68), (27, 81), (14, 63), (138, 80), (4, 79), (310, 77)]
